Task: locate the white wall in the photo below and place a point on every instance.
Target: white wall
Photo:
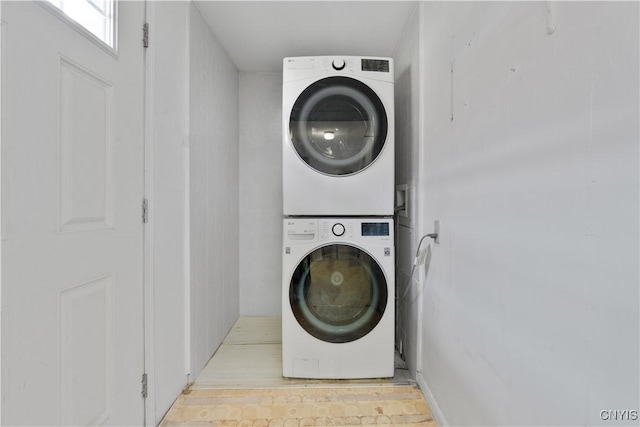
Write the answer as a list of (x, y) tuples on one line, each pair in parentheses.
[(214, 190), (260, 194), (531, 163), (169, 80), (194, 198)]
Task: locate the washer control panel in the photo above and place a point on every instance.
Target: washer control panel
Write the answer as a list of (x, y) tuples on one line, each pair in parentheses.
[(356, 229), (303, 233), (336, 228)]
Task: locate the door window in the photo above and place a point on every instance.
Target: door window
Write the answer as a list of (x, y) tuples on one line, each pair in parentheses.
[(338, 293), (96, 16), (338, 126)]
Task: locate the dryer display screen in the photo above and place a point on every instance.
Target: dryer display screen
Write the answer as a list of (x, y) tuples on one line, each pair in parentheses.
[(375, 228), (379, 65)]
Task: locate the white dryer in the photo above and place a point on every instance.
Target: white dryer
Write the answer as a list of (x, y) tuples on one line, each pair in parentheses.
[(338, 298), (338, 131)]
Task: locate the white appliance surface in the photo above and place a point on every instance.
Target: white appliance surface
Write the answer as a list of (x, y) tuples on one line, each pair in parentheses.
[(338, 136), (338, 298)]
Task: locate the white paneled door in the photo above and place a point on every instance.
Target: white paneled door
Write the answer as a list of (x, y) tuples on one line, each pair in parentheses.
[(72, 255)]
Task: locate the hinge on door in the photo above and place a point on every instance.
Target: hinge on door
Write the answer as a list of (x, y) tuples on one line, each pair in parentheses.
[(145, 35), (145, 210), (144, 386)]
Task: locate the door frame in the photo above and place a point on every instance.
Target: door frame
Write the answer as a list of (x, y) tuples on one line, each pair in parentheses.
[(148, 240), (2, 180)]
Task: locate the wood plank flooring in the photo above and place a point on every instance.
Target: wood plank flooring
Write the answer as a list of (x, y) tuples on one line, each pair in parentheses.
[(242, 385), (343, 406)]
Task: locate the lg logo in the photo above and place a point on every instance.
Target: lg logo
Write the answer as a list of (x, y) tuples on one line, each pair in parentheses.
[(619, 415)]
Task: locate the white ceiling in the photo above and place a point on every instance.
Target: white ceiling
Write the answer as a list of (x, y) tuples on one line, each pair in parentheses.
[(258, 34)]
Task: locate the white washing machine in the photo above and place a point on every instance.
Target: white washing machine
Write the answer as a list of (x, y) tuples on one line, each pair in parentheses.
[(338, 131), (338, 298)]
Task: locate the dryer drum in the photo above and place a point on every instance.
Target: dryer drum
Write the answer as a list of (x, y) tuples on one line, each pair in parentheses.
[(338, 126), (338, 293)]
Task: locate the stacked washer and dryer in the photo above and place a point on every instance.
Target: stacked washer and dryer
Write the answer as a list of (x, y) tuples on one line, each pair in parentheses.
[(338, 265)]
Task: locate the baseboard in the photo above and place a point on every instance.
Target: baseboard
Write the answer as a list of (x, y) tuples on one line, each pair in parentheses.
[(433, 405)]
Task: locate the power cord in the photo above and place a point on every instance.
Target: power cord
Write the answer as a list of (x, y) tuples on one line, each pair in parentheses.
[(415, 263)]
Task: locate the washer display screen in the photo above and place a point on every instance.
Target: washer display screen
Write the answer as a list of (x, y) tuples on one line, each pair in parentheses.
[(338, 126), (338, 293), (375, 229)]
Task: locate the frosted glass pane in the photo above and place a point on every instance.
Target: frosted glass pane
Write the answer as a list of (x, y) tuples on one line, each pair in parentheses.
[(97, 16)]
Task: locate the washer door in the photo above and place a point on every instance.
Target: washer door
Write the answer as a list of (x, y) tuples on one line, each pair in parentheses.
[(338, 293), (338, 126)]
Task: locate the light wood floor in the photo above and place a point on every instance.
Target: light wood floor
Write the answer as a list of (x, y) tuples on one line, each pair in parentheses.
[(242, 385)]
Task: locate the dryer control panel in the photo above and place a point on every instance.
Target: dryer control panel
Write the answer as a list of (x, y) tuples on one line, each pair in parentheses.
[(305, 67)]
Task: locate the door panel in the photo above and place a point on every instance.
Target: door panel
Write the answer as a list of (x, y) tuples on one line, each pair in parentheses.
[(72, 337), (85, 148)]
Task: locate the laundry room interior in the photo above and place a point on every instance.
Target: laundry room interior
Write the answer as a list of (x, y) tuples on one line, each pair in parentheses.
[(514, 224)]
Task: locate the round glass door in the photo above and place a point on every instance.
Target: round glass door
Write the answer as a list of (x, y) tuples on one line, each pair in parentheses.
[(338, 293), (338, 126)]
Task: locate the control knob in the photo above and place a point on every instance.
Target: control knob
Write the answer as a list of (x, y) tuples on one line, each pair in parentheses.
[(338, 64), (338, 229)]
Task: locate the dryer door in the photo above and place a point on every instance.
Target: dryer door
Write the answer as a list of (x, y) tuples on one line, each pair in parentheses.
[(338, 293), (338, 126)]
